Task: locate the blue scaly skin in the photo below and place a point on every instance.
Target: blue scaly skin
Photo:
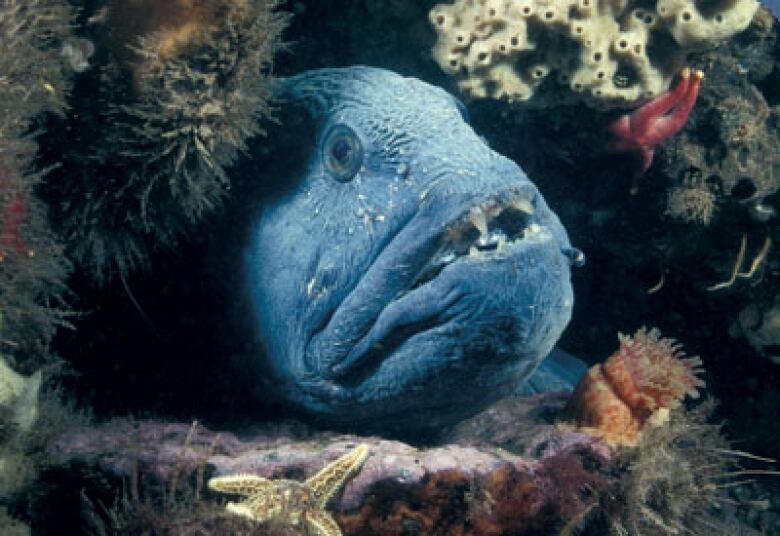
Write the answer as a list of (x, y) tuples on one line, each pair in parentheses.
[(410, 274)]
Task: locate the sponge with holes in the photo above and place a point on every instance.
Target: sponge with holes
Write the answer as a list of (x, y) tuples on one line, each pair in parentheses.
[(605, 53)]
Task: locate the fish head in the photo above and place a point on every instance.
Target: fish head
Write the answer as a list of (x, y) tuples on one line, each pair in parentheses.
[(407, 273)]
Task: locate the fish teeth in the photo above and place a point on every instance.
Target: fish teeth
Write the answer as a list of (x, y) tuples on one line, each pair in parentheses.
[(531, 230), (523, 205), (494, 211), (493, 238), (447, 258), (478, 218)]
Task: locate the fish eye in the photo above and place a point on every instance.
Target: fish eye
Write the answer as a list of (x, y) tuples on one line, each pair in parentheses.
[(342, 153)]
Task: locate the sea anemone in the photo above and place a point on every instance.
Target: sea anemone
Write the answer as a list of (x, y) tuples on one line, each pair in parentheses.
[(637, 385)]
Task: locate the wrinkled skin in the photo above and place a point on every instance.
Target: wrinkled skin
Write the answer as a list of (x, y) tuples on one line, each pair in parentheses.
[(376, 297)]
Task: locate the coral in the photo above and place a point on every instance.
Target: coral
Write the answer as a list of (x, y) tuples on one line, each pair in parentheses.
[(512, 423), (564, 483), (691, 203), (638, 132), (181, 87), (290, 502), (637, 385), (605, 54)]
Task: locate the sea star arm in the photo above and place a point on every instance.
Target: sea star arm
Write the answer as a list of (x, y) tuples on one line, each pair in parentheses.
[(329, 479), (320, 523), (640, 131), (643, 118), (668, 125), (644, 154), (245, 485), (243, 510)]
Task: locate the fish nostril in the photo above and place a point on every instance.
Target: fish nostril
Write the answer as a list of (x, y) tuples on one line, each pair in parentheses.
[(575, 256)]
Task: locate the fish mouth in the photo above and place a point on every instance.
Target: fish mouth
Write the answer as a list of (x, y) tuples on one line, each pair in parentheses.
[(372, 319), (489, 229)]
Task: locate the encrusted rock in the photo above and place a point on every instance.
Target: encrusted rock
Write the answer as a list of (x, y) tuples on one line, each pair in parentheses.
[(399, 485)]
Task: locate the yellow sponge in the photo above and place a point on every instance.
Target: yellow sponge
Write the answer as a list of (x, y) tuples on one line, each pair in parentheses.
[(597, 50)]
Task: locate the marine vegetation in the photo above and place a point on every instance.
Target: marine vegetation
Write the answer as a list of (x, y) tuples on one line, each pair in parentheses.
[(34, 80), (693, 201), (36, 71), (31, 415), (176, 505), (675, 480), (176, 90), (424, 264)]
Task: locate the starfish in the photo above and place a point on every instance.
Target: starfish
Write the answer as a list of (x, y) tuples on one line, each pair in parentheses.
[(290, 502), (640, 131)]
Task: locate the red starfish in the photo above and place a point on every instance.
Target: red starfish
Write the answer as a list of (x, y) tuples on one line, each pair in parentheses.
[(640, 131)]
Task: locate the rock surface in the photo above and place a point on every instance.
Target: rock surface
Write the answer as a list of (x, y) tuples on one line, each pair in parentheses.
[(463, 485)]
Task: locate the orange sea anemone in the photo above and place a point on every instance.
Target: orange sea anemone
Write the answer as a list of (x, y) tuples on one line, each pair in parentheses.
[(637, 385)]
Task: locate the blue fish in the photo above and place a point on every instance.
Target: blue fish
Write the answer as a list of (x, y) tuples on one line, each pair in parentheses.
[(773, 6), (408, 275)]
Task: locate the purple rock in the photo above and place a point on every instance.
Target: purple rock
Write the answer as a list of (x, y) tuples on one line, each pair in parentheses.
[(547, 467)]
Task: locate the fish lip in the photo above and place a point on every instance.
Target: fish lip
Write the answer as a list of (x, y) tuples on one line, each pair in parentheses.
[(346, 371), (456, 229)]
